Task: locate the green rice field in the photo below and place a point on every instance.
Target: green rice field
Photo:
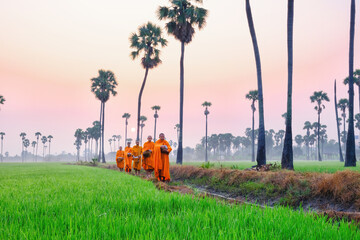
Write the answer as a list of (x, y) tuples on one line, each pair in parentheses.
[(56, 201)]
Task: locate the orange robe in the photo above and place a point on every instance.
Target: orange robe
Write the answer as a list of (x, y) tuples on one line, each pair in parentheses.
[(128, 160), (161, 160), (148, 163), (136, 152), (120, 159)]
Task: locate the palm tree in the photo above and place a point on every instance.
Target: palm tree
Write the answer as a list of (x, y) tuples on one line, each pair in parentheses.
[(44, 140), (206, 112), (78, 138), (37, 135), (253, 96), (118, 137), (103, 86), (156, 108), (177, 127), (50, 138), (126, 116), (26, 143), (86, 140), (2, 100), (22, 135), (299, 140), (183, 17), (2, 134), (33, 145), (318, 98), (96, 133), (343, 104), (110, 141), (337, 124), (287, 154), (261, 151), (142, 125), (146, 41), (307, 127), (350, 156)]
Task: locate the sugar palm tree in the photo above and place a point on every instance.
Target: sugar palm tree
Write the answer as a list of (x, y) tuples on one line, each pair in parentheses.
[(49, 139), (118, 137), (343, 104), (183, 17), (156, 108), (350, 156), (103, 86), (142, 125), (2, 134), (37, 135), (338, 124), (287, 161), (96, 133), (177, 127), (319, 98), (110, 141), (2, 100), (126, 116), (33, 145), (307, 127), (78, 139), (253, 96), (114, 140), (22, 135), (26, 143), (206, 112), (146, 43), (299, 140), (86, 140), (44, 141), (261, 151)]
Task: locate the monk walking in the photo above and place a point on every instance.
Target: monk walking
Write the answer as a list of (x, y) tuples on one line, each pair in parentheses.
[(128, 158), (161, 158), (120, 159), (136, 152), (148, 158)]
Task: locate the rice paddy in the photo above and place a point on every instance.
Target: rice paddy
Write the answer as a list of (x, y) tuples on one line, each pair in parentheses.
[(55, 201)]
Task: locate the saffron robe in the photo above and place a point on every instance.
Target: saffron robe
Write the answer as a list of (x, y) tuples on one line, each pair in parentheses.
[(120, 159), (161, 160), (148, 163), (128, 160), (136, 152)]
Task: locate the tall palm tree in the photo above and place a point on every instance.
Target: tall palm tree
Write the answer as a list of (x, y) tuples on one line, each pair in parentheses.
[(37, 135), (86, 140), (156, 108), (44, 141), (2, 100), (337, 124), (145, 42), (350, 156), (183, 17), (126, 116), (142, 125), (343, 104), (299, 140), (319, 98), (90, 132), (33, 145), (110, 141), (103, 86), (118, 137), (2, 134), (96, 131), (261, 151), (287, 161), (253, 96), (22, 135), (49, 139), (206, 112), (307, 127), (78, 138), (26, 143), (177, 127)]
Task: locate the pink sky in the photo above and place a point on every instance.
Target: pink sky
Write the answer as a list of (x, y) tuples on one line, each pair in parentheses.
[(51, 49)]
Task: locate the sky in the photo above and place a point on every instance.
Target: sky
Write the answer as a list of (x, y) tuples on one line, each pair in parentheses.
[(51, 49)]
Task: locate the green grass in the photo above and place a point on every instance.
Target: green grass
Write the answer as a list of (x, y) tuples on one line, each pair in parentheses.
[(54, 201), (301, 166)]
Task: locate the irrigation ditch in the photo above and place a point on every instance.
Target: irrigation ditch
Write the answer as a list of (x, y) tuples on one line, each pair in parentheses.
[(334, 195)]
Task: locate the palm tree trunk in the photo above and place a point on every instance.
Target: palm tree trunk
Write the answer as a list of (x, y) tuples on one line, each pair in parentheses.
[(287, 155), (101, 121), (141, 135), (350, 157), (344, 120), (318, 138), (37, 145), (2, 156), (102, 134), (253, 136), (179, 157), (155, 127), (139, 104), (206, 138), (22, 151), (126, 124), (49, 148), (97, 146), (337, 124), (261, 151)]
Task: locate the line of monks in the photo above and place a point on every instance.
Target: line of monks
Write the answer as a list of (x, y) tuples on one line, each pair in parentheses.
[(152, 157)]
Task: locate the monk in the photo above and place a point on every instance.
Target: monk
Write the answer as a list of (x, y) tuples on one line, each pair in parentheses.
[(128, 158), (136, 152), (161, 158), (148, 162), (120, 159)]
